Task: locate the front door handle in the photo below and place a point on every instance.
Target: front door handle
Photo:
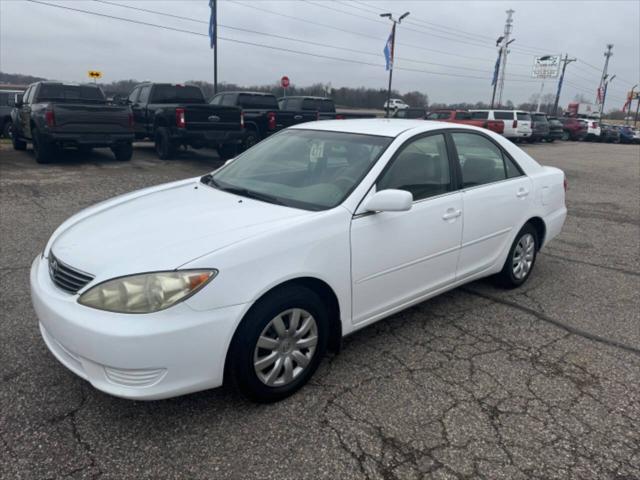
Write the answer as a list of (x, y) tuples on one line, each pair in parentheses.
[(523, 192), (451, 213)]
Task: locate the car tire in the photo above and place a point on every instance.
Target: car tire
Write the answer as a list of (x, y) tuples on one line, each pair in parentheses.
[(42, 149), (551, 140), (268, 374), (566, 136), (165, 148), (6, 129), (123, 153), (521, 259), (19, 145), (250, 139)]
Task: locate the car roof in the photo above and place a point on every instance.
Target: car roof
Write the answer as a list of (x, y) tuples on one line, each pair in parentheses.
[(385, 127)]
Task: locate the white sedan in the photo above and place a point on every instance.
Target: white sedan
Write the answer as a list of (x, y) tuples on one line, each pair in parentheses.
[(250, 273)]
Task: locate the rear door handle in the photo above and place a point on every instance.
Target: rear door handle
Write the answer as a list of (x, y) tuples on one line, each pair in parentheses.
[(451, 213), (523, 192)]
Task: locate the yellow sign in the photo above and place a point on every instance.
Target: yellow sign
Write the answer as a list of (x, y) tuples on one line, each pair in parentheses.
[(94, 74)]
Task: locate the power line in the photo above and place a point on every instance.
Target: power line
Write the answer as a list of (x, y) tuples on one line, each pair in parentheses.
[(308, 42), (243, 42)]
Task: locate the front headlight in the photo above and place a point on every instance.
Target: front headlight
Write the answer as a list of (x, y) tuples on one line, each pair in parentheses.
[(147, 292)]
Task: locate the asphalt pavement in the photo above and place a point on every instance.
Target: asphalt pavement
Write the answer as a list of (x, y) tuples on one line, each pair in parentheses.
[(540, 382)]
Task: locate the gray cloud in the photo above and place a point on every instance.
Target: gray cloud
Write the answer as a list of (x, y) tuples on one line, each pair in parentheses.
[(45, 41)]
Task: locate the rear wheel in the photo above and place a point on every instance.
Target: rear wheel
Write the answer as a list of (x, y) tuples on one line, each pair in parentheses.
[(42, 149), (17, 143), (123, 153), (279, 344), (6, 129), (521, 258), (250, 139), (165, 148), (228, 151)]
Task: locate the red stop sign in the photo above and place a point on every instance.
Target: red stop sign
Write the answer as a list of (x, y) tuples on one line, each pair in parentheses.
[(284, 81)]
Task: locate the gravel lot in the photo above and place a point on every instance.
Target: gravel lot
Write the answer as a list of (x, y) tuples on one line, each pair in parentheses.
[(541, 382)]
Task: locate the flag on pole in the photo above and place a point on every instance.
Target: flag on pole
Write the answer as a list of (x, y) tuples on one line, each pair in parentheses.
[(388, 49), (496, 69), (212, 24), (628, 101), (599, 94)]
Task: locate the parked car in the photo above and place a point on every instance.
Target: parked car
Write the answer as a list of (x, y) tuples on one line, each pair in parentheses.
[(178, 115), (7, 102), (555, 129), (323, 105), (410, 113), (573, 128), (539, 127), (250, 273), (609, 133), (626, 134), (54, 115), (395, 104), (517, 124), (463, 117), (636, 135), (593, 129), (262, 115)]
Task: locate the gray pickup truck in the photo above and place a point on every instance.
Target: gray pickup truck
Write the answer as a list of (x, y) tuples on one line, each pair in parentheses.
[(53, 115)]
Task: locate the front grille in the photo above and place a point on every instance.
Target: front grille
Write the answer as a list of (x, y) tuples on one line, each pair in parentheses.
[(65, 277)]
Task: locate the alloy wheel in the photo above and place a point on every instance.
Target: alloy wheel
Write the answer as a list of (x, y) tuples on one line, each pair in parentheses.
[(523, 256), (285, 347)]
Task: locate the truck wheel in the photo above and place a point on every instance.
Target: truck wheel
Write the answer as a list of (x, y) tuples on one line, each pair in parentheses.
[(250, 139), (18, 144), (6, 129), (164, 147), (225, 152), (123, 153), (42, 150)]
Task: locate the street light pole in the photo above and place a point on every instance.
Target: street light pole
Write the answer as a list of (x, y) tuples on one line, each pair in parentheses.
[(508, 27), (602, 86), (391, 53)]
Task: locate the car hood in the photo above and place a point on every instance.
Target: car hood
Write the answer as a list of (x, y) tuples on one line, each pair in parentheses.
[(163, 228)]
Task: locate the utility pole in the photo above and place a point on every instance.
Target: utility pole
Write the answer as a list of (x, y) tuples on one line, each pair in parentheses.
[(508, 27), (496, 72), (565, 61), (604, 94), (607, 55), (391, 43), (630, 98)]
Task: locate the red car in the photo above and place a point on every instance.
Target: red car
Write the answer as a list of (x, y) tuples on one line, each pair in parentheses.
[(464, 117), (573, 128)]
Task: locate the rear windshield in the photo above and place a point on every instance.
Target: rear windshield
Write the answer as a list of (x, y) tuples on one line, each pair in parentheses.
[(524, 117), (59, 92), (503, 115), (248, 100), (318, 104), (439, 115), (480, 115), (176, 94), (537, 118)]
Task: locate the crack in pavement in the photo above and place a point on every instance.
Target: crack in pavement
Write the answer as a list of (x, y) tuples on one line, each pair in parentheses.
[(582, 262), (553, 321)]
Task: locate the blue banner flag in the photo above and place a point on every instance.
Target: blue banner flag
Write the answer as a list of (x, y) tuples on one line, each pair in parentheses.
[(212, 24), (388, 50), (496, 69)]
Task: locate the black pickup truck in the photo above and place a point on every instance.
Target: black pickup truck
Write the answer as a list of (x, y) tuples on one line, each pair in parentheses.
[(53, 115), (262, 116), (323, 105), (178, 115)]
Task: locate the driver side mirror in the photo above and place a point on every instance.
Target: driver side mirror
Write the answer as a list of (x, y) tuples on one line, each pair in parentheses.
[(18, 100), (390, 200)]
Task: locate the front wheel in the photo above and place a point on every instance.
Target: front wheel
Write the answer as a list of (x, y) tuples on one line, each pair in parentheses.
[(521, 258), (279, 344), (18, 144), (123, 153)]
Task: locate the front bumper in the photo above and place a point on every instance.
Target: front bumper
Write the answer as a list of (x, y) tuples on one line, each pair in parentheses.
[(144, 356)]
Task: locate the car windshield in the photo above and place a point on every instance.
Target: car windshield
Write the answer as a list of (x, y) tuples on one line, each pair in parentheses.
[(537, 118), (525, 117), (176, 94), (308, 169)]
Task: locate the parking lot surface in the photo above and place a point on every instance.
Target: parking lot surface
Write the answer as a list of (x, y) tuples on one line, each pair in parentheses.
[(540, 382)]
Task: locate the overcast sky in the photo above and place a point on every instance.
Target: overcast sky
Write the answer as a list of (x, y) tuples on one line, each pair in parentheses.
[(440, 45)]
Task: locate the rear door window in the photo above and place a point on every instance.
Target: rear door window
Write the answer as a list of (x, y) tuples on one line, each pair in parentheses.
[(176, 94), (480, 115), (144, 94), (266, 102), (481, 160), (463, 116)]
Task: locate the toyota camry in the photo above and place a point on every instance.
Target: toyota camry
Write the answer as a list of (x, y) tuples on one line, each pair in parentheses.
[(249, 274)]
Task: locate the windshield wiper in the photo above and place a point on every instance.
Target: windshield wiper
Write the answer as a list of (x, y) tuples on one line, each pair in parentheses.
[(243, 192)]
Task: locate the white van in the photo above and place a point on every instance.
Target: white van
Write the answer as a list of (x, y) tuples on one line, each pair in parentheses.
[(517, 123)]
